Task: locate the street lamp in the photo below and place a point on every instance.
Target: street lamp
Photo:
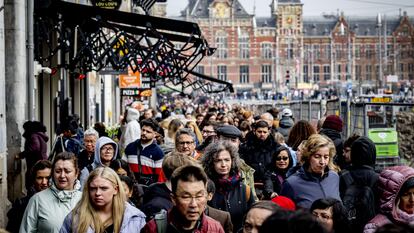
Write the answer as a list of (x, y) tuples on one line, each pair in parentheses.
[(379, 25)]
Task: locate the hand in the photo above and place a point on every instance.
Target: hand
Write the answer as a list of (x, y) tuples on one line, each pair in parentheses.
[(273, 195)]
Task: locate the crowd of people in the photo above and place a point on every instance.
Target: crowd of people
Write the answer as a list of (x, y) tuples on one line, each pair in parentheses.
[(209, 168)]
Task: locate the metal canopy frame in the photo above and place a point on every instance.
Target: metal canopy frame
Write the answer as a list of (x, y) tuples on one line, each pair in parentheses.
[(90, 38)]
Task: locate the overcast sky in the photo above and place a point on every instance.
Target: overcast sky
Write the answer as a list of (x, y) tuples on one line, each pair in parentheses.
[(317, 7)]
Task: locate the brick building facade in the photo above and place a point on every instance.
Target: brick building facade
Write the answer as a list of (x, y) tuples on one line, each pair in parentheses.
[(288, 50)]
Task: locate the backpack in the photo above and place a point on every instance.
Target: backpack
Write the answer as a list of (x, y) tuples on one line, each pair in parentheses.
[(161, 221), (359, 201)]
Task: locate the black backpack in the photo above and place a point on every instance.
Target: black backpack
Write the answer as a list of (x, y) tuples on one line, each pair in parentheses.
[(359, 201)]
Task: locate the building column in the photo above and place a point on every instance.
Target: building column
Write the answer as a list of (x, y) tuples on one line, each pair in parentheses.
[(16, 86)]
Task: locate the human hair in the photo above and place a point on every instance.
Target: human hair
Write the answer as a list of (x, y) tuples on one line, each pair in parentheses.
[(174, 161), (211, 187), (128, 181), (150, 122), (91, 132), (86, 214), (186, 131), (40, 165), (276, 154), (120, 163), (211, 153), (348, 142), (173, 127), (395, 228), (339, 214), (245, 126), (260, 124), (193, 126), (279, 138), (291, 222), (300, 131), (265, 205), (189, 173), (314, 143), (206, 119), (66, 156)]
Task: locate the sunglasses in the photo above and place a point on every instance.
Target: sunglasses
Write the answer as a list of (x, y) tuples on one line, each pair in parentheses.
[(282, 158)]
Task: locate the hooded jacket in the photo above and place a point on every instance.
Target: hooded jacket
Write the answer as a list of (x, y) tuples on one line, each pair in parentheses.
[(156, 198), (285, 124), (47, 209), (133, 221), (35, 148), (102, 141), (131, 131), (363, 157), (258, 154), (304, 188), (390, 182)]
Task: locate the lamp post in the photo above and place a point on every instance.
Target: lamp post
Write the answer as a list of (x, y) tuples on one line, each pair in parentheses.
[(380, 78)]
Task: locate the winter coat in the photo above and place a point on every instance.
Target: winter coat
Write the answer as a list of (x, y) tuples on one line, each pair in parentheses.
[(47, 209), (304, 188), (232, 197), (247, 175), (35, 148), (131, 131), (102, 141), (285, 124), (258, 154), (156, 198), (336, 137), (83, 159), (274, 177), (133, 221), (363, 156), (145, 163), (223, 217), (390, 182), (208, 225), (15, 214)]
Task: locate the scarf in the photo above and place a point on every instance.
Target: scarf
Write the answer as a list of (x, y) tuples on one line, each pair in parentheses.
[(225, 185), (65, 195), (404, 216)]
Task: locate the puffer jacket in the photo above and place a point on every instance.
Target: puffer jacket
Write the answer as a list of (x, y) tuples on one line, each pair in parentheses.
[(390, 182), (97, 158), (132, 221), (336, 137)]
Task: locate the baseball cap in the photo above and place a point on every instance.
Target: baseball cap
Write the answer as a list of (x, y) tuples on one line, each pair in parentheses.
[(287, 112)]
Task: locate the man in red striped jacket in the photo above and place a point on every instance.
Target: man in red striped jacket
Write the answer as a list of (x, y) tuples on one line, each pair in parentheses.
[(145, 156)]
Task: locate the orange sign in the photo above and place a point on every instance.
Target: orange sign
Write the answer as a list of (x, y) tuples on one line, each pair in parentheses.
[(130, 80)]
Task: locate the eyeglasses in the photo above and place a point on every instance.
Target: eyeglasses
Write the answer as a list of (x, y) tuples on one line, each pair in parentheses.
[(208, 131), (186, 143), (282, 158), (189, 198), (109, 148)]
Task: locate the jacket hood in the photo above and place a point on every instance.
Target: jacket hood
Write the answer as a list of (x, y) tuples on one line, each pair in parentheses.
[(390, 182), (159, 190), (132, 115), (331, 133), (129, 215), (99, 144), (363, 152), (42, 135), (286, 122)]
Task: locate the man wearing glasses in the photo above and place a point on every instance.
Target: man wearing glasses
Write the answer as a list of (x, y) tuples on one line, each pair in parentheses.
[(185, 143), (189, 197), (106, 150)]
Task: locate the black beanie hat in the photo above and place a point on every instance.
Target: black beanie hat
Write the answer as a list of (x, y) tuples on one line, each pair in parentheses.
[(407, 185)]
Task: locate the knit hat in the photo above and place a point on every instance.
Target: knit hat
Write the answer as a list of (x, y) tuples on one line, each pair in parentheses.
[(407, 185), (284, 202), (333, 122)]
